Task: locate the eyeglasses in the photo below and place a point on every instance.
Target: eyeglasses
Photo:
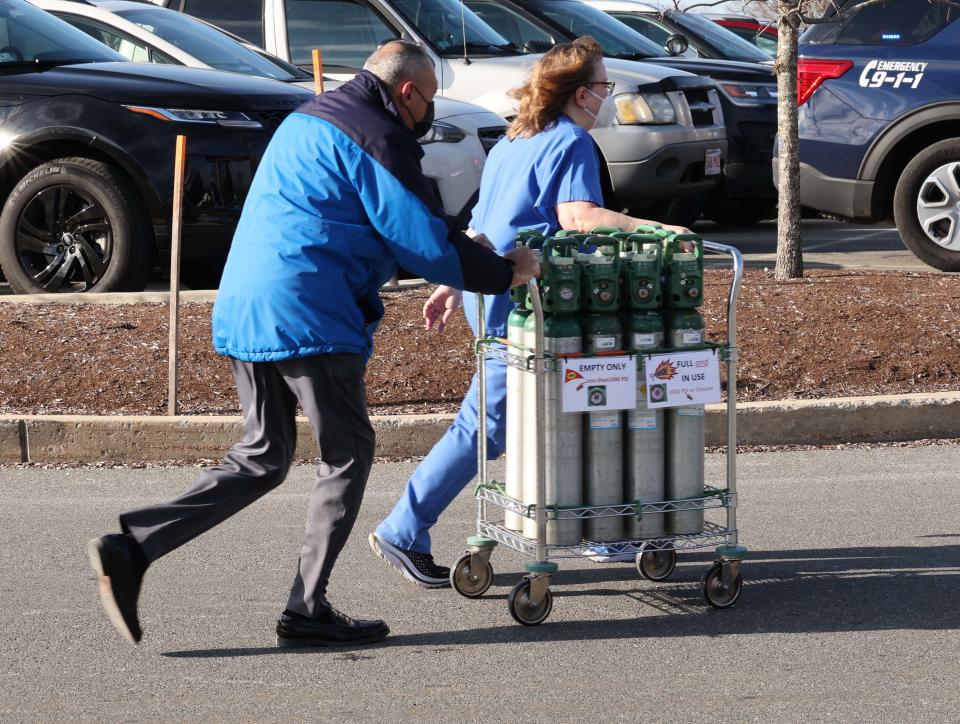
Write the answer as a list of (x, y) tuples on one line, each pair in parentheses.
[(608, 84)]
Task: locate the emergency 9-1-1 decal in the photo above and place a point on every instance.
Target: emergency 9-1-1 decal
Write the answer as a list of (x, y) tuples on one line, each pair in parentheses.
[(892, 73)]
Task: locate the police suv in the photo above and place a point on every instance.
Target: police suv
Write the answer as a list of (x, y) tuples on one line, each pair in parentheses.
[(879, 122)]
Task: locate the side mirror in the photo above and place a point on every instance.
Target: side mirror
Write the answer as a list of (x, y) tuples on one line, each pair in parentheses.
[(676, 44), (537, 46)]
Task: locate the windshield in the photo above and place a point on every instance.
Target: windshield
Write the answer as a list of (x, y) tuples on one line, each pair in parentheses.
[(730, 45), (577, 18), (443, 23), (29, 35), (203, 42)]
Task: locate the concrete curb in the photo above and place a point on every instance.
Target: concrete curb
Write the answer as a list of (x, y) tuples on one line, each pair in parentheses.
[(88, 439)]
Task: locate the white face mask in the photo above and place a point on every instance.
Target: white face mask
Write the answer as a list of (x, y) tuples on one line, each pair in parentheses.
[(606, 115)]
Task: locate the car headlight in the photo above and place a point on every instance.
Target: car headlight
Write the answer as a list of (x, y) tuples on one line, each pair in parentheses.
[(229, 119), (645, 108), (749, 94), (442, 132)]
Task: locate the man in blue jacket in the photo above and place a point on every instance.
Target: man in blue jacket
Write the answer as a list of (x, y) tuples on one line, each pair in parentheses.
[(337, 203)]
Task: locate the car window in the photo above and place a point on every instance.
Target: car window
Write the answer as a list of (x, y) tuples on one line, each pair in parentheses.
[(202, 41), (895, 22), (765, 41), (345, 30), (240, 17), (577, 18), (645, 26), (728, 45), (30, 35), (129, 47), (449, 25), (512, 26)]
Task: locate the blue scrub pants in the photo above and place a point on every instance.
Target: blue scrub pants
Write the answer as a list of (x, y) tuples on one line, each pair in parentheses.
[(448, 468)]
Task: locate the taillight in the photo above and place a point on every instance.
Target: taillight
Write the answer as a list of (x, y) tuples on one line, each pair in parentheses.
[(811, 72)]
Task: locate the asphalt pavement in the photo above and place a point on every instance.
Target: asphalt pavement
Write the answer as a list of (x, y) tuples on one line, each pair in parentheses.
[(827, 244), (848, 611)]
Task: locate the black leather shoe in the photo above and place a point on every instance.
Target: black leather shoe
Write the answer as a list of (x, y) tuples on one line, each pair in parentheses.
[(121, 568), (331, 628)]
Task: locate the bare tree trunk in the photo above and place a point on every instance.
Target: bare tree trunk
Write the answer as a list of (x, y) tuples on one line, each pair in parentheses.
[(789, 248)]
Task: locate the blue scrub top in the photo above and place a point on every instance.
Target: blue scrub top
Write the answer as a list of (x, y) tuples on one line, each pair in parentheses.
[(523, 181)]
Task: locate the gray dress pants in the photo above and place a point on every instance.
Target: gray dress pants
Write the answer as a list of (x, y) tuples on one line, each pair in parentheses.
[(330, 389)]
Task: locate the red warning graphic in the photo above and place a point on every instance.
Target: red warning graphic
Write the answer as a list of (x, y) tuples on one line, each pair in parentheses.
[(665, 370)]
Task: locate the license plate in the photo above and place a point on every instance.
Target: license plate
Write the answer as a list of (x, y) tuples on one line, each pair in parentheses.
[(711, 162)]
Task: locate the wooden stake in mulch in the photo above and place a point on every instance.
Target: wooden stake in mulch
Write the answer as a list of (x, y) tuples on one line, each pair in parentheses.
[(317, 71), (178, 170)]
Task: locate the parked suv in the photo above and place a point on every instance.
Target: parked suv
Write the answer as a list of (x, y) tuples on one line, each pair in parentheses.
[(86, 157), (747, 96), (879, 122), (705, 38), (455, 148), (669, 148)]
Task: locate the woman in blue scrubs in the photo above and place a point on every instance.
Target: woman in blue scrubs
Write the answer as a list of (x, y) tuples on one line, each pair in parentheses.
[(544, 175)]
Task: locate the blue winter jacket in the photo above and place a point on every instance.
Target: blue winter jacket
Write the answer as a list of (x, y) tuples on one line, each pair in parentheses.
[(338, 201)]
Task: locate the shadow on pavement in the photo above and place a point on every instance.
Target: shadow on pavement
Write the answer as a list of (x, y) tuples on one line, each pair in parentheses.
[(793, 591)]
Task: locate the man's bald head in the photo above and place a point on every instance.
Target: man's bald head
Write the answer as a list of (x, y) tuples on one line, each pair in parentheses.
[(400, 61)]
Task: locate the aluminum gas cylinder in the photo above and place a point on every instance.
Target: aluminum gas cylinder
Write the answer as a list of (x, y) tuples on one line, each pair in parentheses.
[(516, 378), (644, 431), (603, 437), (685, 433)]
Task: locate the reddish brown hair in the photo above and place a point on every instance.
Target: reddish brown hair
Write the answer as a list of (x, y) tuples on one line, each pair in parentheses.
[(555, 77)]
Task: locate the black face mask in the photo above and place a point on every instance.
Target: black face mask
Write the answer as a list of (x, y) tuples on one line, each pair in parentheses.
[(422, 127)]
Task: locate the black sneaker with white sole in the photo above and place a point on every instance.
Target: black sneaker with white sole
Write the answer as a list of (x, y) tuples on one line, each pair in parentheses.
[(417, 567)]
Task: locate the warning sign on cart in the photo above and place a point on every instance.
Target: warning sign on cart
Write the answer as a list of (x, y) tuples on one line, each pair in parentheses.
[(682, 378), (592, 384)]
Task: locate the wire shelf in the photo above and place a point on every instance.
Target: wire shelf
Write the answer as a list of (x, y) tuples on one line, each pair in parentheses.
[(712, 498), (713, 534)]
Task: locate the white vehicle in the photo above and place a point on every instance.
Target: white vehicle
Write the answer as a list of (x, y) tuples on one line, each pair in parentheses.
[(454, 149), (666, 147)]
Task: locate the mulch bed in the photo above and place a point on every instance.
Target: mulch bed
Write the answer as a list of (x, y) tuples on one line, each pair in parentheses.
[(830, 334)]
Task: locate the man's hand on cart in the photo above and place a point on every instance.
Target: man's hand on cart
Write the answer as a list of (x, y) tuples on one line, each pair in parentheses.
[(677, 229), (440, 307), (526, 266)]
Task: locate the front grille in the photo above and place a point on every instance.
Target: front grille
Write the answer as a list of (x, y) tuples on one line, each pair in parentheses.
[(489, 137), (272, 119), (701, 105)]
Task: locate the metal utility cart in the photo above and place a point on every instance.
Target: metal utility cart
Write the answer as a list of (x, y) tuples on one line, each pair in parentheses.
[(531, 601)]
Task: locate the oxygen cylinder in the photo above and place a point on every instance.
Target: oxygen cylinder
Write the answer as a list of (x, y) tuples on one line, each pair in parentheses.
[(685, 433), (644, 432), (603, 448), (562, 431), (530, 407), (515, 442)]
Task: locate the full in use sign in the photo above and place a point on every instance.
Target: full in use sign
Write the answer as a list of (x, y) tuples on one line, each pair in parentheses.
[(682, 378), (592, 384)]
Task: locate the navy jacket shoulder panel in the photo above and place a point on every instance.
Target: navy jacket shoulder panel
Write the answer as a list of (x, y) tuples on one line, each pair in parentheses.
[(364, 110)]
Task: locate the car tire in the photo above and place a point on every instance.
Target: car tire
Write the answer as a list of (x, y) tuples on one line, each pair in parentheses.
[(75, 225), (915, 187)]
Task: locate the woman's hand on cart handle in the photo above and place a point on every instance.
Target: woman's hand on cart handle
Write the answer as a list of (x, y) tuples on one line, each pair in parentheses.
[(526, 266), (440, 307)]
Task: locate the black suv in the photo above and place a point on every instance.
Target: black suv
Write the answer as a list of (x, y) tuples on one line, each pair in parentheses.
[(748, 92), (86, 158)]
